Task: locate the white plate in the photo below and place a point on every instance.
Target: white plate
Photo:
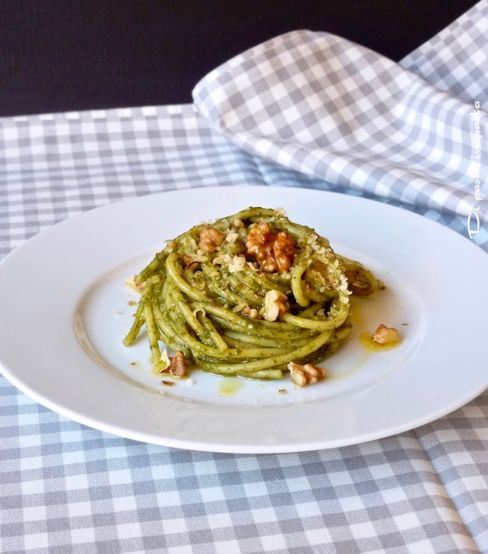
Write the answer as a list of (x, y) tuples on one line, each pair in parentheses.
[(65, 311)]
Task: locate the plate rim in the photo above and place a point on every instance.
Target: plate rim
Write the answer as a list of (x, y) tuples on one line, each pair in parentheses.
[(228, 448)]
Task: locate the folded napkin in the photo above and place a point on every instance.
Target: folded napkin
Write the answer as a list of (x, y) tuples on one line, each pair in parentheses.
[(332, 109)]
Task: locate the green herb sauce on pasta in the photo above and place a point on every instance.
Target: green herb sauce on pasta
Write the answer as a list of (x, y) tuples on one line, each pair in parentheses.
[(247, 294)]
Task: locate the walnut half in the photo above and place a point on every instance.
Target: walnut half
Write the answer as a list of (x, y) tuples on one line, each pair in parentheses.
[(306, 374), (274, 251)]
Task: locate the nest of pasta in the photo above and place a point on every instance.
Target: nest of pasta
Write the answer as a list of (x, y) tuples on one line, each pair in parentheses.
[(247, 295)]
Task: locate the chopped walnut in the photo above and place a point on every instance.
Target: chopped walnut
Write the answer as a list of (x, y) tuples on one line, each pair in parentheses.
[(231, 237), (307, 374), (193, 262), (275, 304), (386, 335), (236, 264), (210, 239), (250, 312), (190, 262), (274, 251), (238, 224), (178, 364)]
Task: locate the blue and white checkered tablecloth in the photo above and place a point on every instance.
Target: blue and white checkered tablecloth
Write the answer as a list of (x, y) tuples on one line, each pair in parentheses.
[(67, 488)]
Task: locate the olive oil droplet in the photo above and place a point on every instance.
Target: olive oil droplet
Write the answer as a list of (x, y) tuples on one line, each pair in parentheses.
[(229, 387), (372, 346)]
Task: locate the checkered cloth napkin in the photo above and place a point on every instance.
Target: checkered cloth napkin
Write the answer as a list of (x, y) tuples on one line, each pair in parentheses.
[(67, 488), (332, 109)]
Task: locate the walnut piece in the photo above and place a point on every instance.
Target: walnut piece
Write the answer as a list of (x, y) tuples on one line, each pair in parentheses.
[(236, 264), (210, 239), (275, 304), (307, 374), (231, 237), (274, 251), (178, 364), (250, 312), (386, 335), (192, 262)]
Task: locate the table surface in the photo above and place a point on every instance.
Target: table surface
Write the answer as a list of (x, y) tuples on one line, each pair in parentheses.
[(67, 488)]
